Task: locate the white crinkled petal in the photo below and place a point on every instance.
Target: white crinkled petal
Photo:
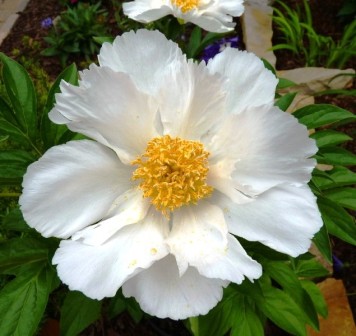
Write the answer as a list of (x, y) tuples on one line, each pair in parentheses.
[(146, 11), (268, 147), (250, 83), (100, 270), (108, 108), (198, 233), (71, 187), (284, 218), (128, 208), (194, 102), (199, 238), (146, 56), (162, 292)]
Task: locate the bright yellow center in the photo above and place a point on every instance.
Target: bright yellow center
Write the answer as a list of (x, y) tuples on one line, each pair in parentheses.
[(173, 172), (186, 5)]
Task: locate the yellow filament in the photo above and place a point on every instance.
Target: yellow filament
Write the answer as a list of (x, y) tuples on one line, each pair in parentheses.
[(173, 172), (186, 5)]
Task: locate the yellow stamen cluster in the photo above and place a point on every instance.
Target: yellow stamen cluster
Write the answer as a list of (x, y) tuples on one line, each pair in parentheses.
[(173, 173), (186, 5)]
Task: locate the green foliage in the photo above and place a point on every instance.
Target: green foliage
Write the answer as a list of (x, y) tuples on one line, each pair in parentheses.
[(74, 32), (305, 43), (78, 312)]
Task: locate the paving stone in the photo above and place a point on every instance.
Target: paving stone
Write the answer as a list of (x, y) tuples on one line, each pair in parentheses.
[(340, 321), (257, 30)]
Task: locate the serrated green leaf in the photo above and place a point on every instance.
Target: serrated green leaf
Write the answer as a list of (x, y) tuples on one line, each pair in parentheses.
[(316, 296), (284, 102), (346, 197), (309, 268), (338, 222), (24, 299), (322, 242), (335, 156), (237, 311), (280, 308), (287, 279), (117, 305), (14, 221), (317, 115), (337, 177), (51, 133), (20, 251), (329, 138), (21, 92), (77, 313), (13, 165)]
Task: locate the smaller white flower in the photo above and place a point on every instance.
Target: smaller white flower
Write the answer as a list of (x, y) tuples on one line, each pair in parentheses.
[(211, 15)]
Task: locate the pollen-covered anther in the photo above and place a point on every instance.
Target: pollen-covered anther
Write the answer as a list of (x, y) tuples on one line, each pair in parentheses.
[(186, 5), (173, 172)]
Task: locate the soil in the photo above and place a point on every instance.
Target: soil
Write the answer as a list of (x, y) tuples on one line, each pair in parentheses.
[(324, 21)]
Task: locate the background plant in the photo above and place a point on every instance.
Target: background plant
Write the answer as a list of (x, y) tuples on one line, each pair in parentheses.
[(74, 30), (296, 27)]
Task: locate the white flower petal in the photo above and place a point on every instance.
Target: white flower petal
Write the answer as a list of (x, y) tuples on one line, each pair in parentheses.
[(198, 233), (128, 208), (146, 56), (160, 291), (146, 11), (233, 264), (108, 108), (250, 83), (284, 218), (71, 187), (99, 271), (268, 147), (199, 238), (184, 108)]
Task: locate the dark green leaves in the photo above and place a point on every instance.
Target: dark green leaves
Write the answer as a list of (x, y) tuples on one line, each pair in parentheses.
[(317, 115), (78, 312), (21, 93), (23, 300), (51, 133)]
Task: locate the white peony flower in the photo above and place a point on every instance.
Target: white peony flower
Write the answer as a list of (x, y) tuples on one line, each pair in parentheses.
[(211, 15), (184, 156)]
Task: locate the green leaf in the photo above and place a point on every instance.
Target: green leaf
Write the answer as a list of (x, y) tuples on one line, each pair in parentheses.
[(329, 138), (21, 92), (24, 299), (335, 156), (316, 296), (77, 313), (52, 133), (13, 165), (15, 222), (236, 312), (21, 251), (317, 115), (284, 102), (309, 268), (338, 222), (134, 309), (284, 276), (346, 197), (117, 305), (194, 42), (281, 309), (17, 135), (284, 83), (337, 177), (6, 112), (322, 242)]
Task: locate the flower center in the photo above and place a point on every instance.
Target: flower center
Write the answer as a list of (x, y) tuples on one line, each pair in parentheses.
[(173, 173), (186, 5)]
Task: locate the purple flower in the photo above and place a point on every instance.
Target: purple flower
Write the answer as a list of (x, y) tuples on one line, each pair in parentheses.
[(337, 264), (46, 23), (213, 49)]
